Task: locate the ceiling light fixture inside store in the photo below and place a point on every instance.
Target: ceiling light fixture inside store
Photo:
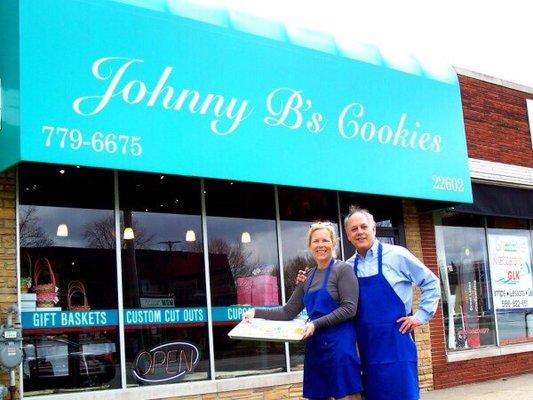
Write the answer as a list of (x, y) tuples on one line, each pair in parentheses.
[(62, 230), (245, 237), (190, 236), (128, 233)]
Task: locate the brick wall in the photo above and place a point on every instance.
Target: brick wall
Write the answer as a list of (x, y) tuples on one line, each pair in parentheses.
[(289, 392), (446, 374), (8, 262), (497, 129), (496, 122), (422, 333)]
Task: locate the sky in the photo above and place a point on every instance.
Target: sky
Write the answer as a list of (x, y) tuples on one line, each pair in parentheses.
[(491, 37)]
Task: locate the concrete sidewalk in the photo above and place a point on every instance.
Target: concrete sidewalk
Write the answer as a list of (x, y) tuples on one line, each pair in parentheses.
[(512, 388)]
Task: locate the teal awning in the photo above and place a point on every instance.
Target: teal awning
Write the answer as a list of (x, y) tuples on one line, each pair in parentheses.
[(173, 87)]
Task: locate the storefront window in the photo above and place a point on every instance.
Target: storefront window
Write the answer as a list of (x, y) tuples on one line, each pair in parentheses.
[(387, 214), (298, 209), (486, 279), (466, 296), (512, 283), (68, 240), (68, 269), (163, 279), (243, 270)]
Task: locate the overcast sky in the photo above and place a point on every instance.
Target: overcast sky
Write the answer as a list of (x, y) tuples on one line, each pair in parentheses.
[(490, 37)]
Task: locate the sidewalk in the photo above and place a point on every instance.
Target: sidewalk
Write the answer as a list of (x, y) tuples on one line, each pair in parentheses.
[(512, 388)]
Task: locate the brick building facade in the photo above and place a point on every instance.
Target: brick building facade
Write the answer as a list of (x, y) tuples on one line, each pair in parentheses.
[(496, 121), (497, 131), (8, 248), (162, 196)]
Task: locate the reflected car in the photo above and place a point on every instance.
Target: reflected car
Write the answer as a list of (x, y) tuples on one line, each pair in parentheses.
[(57, 363)]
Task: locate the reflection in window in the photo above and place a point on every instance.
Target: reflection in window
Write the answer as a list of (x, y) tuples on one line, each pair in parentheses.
[(163, 275), (485, 271), (466, 294), (387, 214), (66, 231), (70, 361), (243, 269), (298, 209)]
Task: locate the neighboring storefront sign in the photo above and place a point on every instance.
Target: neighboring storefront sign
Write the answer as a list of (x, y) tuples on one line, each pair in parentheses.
[(192, 103), (510, 268)]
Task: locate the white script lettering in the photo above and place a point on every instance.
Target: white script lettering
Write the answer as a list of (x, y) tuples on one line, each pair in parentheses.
[(351, 124), (226, 114), (287, 106)]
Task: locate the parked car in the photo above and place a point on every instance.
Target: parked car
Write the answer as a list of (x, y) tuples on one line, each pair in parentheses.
[(55, 362)]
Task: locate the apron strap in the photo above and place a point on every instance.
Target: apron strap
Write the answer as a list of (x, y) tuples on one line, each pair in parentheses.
[(328, 271), (326, 278), (380, 258), (309, 281)]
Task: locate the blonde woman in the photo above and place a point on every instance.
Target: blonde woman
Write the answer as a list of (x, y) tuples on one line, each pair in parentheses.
[(330, 294)]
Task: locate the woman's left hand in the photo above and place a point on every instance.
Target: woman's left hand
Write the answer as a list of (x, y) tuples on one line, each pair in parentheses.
[(309, 329)]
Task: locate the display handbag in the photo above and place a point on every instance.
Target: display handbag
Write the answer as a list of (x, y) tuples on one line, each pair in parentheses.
[(77, 288), (46, 291)]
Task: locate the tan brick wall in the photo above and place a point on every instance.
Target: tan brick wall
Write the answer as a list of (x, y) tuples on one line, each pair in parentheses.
[(290, 392), (422, 333), (8, 251)]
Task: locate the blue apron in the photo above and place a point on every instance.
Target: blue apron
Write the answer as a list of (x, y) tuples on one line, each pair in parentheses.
[(388, 357), (331, 364)]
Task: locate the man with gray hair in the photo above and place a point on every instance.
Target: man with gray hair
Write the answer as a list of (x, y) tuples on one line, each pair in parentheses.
[(386, 274)]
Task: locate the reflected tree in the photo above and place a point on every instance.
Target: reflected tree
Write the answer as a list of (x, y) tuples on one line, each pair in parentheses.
[(241, 260), (291, 269), (31, 232), (100, 234)]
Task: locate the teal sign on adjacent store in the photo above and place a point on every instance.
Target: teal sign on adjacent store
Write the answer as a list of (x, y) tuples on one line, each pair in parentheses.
[(148, 90)]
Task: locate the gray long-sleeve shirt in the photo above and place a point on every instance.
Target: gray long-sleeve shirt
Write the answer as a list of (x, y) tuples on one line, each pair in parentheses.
[(342, 286)]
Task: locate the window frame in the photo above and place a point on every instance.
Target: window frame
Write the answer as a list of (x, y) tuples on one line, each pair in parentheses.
[(497, 349)]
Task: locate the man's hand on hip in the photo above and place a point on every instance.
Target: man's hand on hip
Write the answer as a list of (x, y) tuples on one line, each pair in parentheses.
[(408, 323)]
